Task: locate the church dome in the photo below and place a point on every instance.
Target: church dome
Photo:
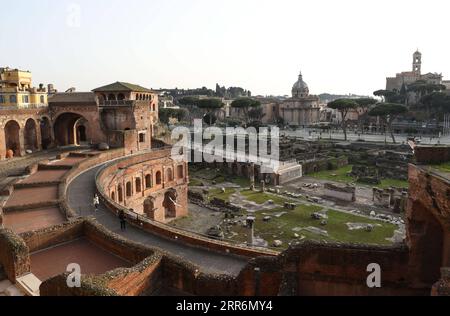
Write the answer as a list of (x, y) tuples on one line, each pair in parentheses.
[(300, 88)]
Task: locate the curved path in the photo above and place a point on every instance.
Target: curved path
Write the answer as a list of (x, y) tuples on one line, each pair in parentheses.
[(80, 193)]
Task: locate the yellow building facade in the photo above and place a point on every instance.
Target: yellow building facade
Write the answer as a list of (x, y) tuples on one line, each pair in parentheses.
[(16, 89)]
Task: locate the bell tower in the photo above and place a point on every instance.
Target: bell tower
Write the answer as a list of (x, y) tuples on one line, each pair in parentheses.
[(417, 62)]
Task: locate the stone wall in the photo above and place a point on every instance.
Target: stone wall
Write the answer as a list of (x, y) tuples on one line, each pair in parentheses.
[(432, 154), (14, 255), (340, 192), (428, 228)]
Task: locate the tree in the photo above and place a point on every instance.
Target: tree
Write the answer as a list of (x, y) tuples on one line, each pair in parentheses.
[(364, 105), (344, 106), (165, 114), (245, 104), (386, 95), (436, 102), (256, 114), (388, 112), (211, 106), (422, 88), (188, 101)]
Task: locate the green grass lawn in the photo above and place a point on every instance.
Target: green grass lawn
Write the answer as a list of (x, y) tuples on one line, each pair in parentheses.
[(282, 228), (387, 183), (193, 182), (340, 175), (261, 198), (217, 193), (445, 167)]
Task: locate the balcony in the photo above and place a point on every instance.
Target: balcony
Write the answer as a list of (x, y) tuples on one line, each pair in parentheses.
[(124, 103), (23, 106)]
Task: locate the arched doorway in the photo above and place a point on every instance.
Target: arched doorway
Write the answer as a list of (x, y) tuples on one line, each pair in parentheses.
[(170, 207), (12, 138), (149, 208), (70, 129), (46, 133), (30, 135), (81, 134)]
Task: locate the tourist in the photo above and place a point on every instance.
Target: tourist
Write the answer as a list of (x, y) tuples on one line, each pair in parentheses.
[(123, 222), (96, 203)]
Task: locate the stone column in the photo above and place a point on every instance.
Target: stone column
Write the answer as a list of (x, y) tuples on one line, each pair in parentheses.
[(251, 230)]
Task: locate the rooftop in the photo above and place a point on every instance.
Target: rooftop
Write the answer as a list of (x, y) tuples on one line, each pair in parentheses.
[(122, 87)]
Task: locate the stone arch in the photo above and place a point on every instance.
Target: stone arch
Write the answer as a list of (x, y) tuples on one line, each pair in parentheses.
[(12, 137), (120, 97), (180, 172), (148, 181), (46, 132), (138, 184), (129, 189), (111, 97), (68, 131), (169, 175), (120, 193), (30, 135), (158, 178), (149, 207), (113, 196), (170, 207)]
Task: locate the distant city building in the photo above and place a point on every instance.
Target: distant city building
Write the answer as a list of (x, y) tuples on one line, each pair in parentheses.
[(16, 89), (232, 92), (302, 108), (409, 77)]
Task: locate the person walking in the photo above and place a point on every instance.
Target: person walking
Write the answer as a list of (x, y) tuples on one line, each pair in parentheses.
[(122, 219), (96, 203)]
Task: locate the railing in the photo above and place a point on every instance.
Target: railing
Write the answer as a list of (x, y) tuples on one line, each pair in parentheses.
[(23, 107), (124, 102)]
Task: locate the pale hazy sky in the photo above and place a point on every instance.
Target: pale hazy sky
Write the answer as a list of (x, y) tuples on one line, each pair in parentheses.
[(340, 46)]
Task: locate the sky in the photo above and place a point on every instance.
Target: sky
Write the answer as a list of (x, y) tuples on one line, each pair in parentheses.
[(345, 46)]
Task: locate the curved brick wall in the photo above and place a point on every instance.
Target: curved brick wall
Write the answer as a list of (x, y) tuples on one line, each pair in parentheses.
[(107, 175)]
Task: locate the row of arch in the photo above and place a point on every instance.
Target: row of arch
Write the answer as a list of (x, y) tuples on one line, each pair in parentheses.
[(30, 137), (137, 187), (122, 97), (37, 134)]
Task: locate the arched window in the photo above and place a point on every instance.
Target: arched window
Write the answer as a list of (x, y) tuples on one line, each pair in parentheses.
[(42, 99), (120, 193), (113, 196), (129, 189), (138, 185), (148, 181), (169, 175), (111, 97), (120, 97), (154, 108), (158, 178), (180, 172)]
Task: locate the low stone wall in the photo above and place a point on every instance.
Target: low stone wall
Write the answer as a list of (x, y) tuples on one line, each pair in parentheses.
[(347, 193), (14, 255), (324, 164), (186, 278), (431, 154)]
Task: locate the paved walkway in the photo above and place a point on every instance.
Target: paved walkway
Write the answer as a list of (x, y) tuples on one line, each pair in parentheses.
[(80, 195)]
